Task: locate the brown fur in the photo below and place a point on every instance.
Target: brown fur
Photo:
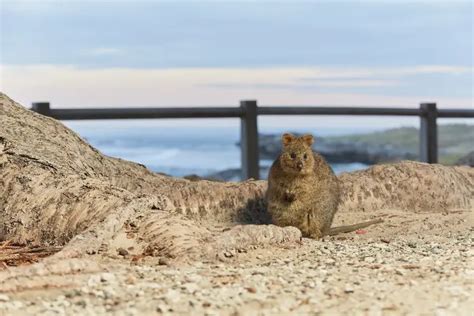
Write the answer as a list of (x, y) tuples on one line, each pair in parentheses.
[(303, 191)]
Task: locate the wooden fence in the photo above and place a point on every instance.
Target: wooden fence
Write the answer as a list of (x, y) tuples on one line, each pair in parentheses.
[(249, 111)]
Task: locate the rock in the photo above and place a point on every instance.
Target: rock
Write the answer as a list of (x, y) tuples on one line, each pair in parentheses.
[(73, 293), (348, 289), (81, 303), (467, 160), (163, 261), (251, 289), (172, 296), (4, 298), (131, 279), (107, 277), (94, 281), (123, 252)]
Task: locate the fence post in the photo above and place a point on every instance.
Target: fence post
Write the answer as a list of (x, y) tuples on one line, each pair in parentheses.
[(249, 140), (41, 108), (428, 133)]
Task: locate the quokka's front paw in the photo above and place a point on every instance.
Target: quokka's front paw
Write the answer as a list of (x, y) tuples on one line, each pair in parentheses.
[(316, 235)]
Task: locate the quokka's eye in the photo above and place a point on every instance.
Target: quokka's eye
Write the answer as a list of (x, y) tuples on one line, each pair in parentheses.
[(305, 156), (293, 155)]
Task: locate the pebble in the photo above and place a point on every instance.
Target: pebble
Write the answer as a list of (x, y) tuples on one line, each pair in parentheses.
[(122, 252), (298, 283), (348, 289), (107, 277), (4, 298), (163, 261), (252, 289)]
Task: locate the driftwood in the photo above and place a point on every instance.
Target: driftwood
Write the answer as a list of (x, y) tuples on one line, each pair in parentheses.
[(15, 255), (57, 190)]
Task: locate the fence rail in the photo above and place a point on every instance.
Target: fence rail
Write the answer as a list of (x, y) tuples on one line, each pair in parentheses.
[(248, 113)]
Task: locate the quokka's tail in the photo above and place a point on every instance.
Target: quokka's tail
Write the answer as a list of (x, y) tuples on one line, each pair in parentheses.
[(350, 228)]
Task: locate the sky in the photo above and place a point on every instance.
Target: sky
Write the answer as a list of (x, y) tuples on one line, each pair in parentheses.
[(190, 53)]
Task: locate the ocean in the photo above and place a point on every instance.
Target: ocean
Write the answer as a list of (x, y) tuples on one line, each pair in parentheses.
[(178, 150)]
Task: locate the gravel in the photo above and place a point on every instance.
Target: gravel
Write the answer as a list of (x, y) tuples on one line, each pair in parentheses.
[(355, 275)]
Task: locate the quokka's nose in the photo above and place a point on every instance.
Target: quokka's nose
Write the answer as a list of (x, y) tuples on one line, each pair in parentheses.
[(299, 165)]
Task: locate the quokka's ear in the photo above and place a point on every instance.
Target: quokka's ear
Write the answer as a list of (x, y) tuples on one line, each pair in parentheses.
[(287, 138), (308, 139)]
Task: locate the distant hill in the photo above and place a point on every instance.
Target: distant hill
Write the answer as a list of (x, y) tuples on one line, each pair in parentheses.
[(455, 141)]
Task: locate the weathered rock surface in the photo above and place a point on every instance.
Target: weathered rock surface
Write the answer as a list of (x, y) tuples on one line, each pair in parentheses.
[(467, 160)]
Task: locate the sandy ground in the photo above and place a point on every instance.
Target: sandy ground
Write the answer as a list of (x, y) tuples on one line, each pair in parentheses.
[(412, 264)]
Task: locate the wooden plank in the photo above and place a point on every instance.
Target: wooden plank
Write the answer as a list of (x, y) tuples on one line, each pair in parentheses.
[(41, 108), (460, 113), (145, 113), (316, 110), (428, 133), (249, 140)]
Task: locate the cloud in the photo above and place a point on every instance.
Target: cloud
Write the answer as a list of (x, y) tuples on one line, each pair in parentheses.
[(315, 84), (166, 34), (68, 86), (384, 72)]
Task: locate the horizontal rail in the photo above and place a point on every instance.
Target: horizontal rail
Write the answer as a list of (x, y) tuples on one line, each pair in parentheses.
[(248, 113), (144, 113), (312, 110), (236, 112), (456, 113)]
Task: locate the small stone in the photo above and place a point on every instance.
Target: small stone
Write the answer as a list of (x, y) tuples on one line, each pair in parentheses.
[(122, 252), (107, 277), (330, 261), (93, 281), (73, 293), (251, 289), (411, 244), (81, 303), (130, 279), (98, 293), (4, 298), (161, 308), (191, 287), (91, 251), (348, 289), (172, 296), (163, 261)]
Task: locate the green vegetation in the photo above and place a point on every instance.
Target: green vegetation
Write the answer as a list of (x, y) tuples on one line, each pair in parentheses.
[(455, 140)]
